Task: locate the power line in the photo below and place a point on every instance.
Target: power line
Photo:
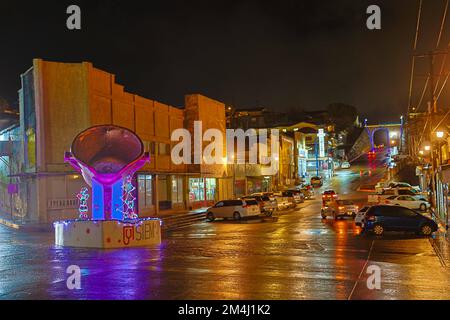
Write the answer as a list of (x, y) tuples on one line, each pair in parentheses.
[(441, 71), (439, 42), (418, 25), (423, 132), (423, 94), (437, 46), (442, 24), (419, 13), (443, 85), (442, 120)]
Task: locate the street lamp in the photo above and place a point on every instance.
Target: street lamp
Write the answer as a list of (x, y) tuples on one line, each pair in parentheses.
[(439, 134), (421, 152), (427, 148)]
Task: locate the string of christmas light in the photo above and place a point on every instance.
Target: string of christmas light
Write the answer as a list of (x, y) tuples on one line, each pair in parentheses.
[(128, 199), (83, 208)]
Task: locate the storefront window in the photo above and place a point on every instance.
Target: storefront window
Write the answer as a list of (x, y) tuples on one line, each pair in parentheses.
[(162, 188), (196, 189), (210, 189), (254, 185), (177, 189), (202, 189), (148, 190), (239, 188), (145, 191)]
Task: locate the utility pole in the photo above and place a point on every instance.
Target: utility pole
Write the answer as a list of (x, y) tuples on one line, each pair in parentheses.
[(316, 147), (432, 117), (432, 106)]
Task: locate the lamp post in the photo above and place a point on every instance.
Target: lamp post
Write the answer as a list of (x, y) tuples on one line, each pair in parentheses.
[(401, 134), (439, 137), (441, 195), (317, 156), (234, 176)]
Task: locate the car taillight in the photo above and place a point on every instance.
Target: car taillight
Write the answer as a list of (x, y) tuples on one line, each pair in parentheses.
[(341, 208), (370, 218), (334, 195)]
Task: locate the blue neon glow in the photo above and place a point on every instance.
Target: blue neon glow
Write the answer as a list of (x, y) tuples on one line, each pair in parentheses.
[(116, 200), (98, 206)]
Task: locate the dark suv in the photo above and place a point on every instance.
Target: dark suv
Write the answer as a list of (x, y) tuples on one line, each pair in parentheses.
[(393, 218)]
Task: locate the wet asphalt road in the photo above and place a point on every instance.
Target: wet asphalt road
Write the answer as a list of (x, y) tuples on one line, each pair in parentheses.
[(296, 255)]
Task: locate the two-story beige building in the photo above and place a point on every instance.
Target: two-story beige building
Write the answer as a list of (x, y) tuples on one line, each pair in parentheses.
[(58, 100)]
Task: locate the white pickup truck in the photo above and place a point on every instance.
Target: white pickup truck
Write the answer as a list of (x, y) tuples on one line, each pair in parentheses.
[(385, 193)]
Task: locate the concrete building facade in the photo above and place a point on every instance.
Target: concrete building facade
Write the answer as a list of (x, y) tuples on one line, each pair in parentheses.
[(58, 100)]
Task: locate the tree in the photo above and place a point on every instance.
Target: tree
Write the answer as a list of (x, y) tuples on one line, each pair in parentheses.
[(342, 115)]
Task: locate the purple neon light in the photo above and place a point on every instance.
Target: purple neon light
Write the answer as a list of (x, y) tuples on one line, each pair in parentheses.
[(105, 186)]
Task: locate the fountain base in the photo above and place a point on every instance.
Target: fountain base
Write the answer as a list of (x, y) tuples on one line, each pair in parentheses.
[(106, 234)]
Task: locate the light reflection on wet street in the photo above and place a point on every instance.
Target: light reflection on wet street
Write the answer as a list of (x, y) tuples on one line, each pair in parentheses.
[(293, 256)]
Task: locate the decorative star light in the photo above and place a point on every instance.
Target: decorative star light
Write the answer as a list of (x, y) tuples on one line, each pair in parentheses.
[(128, 199), (83, 208)]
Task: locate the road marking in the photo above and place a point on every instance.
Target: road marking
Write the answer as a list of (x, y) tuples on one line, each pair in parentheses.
[(362, 271)]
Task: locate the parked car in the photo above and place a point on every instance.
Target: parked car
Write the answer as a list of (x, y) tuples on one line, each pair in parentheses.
[(266, 205), (380, 186), (236, 209), (409, 202), (297, 196), (268, 194), (404, 191), (308, 193), (345, 165), (381, 218), (284, 201), (403, 185), (338, 209), (359, 218), (316, 181), (385, 193)]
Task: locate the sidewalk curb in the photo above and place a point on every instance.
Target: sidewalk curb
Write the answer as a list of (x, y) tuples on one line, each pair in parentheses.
[(10, 224), (26, 227)]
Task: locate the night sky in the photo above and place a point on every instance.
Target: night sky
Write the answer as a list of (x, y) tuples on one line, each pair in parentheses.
[(277, 54)]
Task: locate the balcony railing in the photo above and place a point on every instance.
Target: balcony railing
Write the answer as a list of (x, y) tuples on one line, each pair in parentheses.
[(55, 204)]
